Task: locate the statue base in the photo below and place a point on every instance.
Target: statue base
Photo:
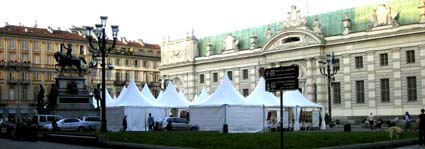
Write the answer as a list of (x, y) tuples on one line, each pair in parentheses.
[(73, 99)]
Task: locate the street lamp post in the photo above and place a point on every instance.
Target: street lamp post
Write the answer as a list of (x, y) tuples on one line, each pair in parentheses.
[(102, 50), (328, 72)]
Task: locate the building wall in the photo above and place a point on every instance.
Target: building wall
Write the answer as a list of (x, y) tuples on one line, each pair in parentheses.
[(394, 41)]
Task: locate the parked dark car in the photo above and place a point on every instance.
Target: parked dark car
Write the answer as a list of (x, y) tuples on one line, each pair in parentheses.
[(177, 124)]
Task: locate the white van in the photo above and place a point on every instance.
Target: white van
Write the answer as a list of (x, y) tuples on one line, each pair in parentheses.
[(42, 119)]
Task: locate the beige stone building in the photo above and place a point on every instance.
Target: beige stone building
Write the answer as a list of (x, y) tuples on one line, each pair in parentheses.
[(26, 62), (379, 49)]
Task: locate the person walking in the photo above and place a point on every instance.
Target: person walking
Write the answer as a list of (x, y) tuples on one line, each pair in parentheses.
[(408, 121), (150, 122), (370, 119), (124, 123), (54, 125), (421, 120)]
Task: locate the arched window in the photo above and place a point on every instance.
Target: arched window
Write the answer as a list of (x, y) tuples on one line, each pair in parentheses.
[(291, 39)]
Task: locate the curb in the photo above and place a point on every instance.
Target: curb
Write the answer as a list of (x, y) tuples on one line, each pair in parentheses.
[(99, 141), (377, 145)]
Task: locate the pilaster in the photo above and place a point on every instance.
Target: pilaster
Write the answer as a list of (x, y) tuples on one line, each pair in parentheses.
[(397, 77)]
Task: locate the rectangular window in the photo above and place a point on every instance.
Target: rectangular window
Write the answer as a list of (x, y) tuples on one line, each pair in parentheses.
[(24, 57), (1, 46), (12, 44), (230, 75), (145, 64), (35, 46), (215, 77), (201, 78), (81, 50), (127, 62), (245, 74), (336, 64), (24, 45), (360, 91), (411, 89), (117, 76), (108, 75), (49, 47), (136, 63), (127, 76), (383, 59), (12, 56), (148, 77), (359, 62), (154, 65), (36, 58), (245, 92), (136, 76), (337, 92), (410, 56), (385, 90), (117, 61)]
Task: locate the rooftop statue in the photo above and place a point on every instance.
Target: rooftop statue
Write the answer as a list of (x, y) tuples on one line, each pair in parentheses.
[(382, 16), (294, 19), (230, 43)]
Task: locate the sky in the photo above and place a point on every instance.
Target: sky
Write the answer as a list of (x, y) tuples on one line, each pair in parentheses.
[(154, 20)]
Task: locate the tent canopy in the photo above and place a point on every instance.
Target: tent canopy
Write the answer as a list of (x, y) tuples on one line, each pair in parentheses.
[(124, 89), (132, 97), (224, 94), (170, 98), (295, 98), (261, 97), (198, 99), (147, 93)]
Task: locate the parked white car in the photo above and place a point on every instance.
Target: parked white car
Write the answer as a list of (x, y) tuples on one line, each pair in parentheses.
[(68, 124), (93, 122), (177, 124)]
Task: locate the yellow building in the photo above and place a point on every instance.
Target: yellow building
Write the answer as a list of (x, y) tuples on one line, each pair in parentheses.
[(26, 62)]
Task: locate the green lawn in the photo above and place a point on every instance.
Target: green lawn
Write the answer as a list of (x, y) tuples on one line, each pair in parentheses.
[(251, 140)]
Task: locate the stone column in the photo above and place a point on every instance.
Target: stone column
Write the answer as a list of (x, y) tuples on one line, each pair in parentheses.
[(191, 85), (309, 78), (346, 70), (371, 80), (321, 88), (397, 78), (422, 61)]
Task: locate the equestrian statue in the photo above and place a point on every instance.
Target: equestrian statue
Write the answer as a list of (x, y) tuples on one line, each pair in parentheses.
[(68, 60)]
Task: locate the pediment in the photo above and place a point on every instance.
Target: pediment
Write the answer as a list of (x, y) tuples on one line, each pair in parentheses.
[(292, 39)]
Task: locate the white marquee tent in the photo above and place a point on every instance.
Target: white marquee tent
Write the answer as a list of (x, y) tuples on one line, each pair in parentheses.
[(198, 99), (136, 107), (147, 93), (109, 100), (295, 98), (171, 99), (226, 106)]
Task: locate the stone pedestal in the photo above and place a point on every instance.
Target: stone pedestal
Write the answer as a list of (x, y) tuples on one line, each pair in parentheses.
[(73, 99)]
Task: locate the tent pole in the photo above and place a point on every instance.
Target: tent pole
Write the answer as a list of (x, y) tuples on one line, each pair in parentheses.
[(281, 119)]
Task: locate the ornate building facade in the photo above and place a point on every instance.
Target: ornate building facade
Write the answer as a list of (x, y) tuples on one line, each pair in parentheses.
[(26, 62), (379, 50)]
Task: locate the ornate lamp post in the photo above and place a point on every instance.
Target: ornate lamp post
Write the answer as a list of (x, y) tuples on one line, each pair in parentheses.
[(102, 50), (328, 72)]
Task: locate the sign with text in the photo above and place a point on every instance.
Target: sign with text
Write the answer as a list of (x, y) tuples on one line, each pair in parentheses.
[(281, 78)]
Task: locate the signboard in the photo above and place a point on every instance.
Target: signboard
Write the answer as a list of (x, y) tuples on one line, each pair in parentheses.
[(281, 78)]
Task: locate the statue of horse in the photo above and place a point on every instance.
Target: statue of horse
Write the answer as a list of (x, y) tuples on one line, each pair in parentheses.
[(63, 61)]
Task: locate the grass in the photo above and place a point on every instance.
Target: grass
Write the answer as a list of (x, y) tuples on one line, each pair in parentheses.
[(251, 140)]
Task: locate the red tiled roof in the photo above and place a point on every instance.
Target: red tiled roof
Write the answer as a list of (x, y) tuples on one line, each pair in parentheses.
[(134, 44), (40, 32), (152, 46)]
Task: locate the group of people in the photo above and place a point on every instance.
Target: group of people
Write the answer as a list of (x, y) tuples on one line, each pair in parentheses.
[(420, 124), (371, 121)]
